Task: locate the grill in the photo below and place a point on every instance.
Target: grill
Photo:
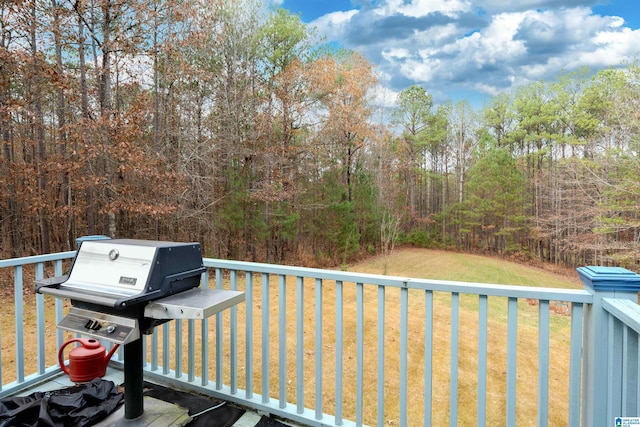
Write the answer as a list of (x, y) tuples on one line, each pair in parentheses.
[(122, 288)]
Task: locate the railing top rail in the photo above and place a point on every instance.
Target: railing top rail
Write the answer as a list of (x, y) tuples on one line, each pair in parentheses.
[(14, 262), (513, 291), (555, 294), (627, 311)]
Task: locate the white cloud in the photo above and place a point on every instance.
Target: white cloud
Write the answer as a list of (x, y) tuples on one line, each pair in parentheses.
[(394, 54), (333, 24), (484, 46), (384, 97), (497, 43), (437, 35), (420, 71), (484, 88), (611, 49), (501, 6), (418, 8)]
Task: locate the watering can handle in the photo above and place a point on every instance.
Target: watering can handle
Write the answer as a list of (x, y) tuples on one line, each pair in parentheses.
[(61, 356)]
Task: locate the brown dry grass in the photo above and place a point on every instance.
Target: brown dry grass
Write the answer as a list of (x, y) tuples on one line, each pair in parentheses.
[(408, 263)]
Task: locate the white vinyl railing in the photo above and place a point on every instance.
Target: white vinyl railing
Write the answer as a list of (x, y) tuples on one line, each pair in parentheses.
[(324, 347)]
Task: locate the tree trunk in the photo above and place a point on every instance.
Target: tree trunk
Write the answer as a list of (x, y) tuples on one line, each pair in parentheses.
[(38, 134), (106, 106), (61, 132), (11, 211), (90, 214)]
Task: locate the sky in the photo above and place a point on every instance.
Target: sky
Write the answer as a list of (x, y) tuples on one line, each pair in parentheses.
[(475, 49)]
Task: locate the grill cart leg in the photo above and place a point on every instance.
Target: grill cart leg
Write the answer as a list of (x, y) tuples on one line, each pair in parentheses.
[(133, 380)]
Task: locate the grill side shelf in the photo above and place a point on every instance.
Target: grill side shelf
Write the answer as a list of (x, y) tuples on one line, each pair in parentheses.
[(196, 303)]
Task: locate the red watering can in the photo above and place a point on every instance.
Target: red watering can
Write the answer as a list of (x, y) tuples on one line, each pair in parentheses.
[(86, 362)]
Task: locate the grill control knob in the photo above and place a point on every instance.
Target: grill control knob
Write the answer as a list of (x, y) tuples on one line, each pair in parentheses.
[(93, 325), (111, 329)]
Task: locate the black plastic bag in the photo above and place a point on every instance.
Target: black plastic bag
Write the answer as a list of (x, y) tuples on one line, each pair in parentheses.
[(77, 406)]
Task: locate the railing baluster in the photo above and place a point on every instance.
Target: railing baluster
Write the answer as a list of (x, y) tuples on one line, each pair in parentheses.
[(318, 353), (359, 352), (404, 322), (233, 338), (575, 360), (512, 344), (166, 349), (1, 364), (428, 357), (543, 363), (19, 325), (636, 403), (629, 372), (482, 359), (339, 349), (453, 367), (191, 347), (614, 397), (178, 352), (57, 271), (144, 349), (204, 336), (265, 338), (282, 339), (154, 350), (381, 354), (249, 334), (40, 340), (300, 344), (119, 352), (219, 336), (610, 320)]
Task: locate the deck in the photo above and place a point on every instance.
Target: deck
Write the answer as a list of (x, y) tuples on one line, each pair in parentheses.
[(165, 413)]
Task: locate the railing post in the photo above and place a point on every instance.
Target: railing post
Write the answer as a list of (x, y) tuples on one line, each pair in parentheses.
[(603, 282)]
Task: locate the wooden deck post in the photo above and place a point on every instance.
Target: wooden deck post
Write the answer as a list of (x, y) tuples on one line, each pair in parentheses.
[(597, 385)]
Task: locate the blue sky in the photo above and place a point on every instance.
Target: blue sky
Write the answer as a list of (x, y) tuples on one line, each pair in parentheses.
[(475, 49)]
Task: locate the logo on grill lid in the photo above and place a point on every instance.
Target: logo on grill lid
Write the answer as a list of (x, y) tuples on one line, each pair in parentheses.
[(127, 280)]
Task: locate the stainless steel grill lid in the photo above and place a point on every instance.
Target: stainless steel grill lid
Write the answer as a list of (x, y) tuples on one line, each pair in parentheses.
[(120, 273)]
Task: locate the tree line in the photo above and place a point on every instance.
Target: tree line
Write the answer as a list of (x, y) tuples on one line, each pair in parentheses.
[(235, 126)]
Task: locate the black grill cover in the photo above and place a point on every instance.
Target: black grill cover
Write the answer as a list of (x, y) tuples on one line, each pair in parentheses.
[(78, 406)]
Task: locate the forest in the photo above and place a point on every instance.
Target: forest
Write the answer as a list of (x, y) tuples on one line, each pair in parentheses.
[(235, 126)]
